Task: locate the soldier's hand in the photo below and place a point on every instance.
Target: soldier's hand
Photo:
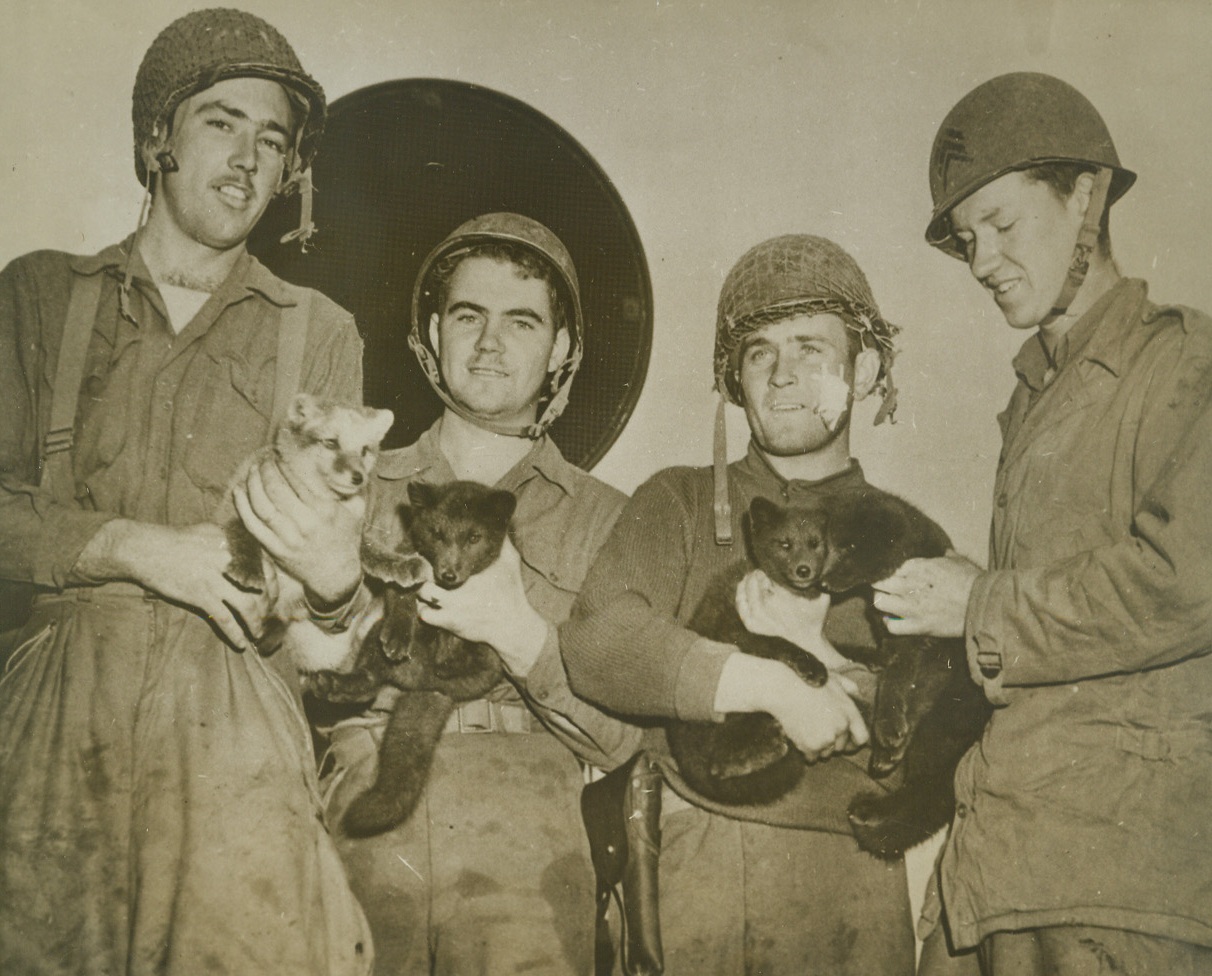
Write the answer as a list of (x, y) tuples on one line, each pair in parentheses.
[(767, 608), (490, 607), (183, 564), (820, 721), (316, 542), (927, 596)]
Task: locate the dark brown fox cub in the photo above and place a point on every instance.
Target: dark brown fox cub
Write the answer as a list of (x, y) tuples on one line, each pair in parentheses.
[(326, 451), (927, 711), (459, 528)]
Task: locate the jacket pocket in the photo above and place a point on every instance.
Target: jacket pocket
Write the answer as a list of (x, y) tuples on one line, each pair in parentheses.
[(226, 417), (103, 417)]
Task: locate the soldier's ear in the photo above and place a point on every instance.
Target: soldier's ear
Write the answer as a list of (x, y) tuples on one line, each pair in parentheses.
[(435, 342), (559, 350), (866, 372), (157, 154)]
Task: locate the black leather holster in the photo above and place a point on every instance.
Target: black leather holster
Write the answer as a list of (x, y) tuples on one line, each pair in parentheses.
[(622, 813)]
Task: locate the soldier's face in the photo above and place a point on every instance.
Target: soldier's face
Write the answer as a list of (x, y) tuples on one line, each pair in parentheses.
[(1018, 236), (797, 376), (231, 143), (496, 340)]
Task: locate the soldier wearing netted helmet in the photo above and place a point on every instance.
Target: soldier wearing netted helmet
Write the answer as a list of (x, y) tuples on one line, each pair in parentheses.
[(1080, 841), (752, 886), (158, 804)]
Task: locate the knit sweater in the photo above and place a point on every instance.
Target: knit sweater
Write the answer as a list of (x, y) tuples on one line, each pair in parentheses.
[(626, 645)]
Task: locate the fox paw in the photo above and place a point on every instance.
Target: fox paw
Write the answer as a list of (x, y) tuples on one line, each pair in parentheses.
[(760, 755), (880, 828)]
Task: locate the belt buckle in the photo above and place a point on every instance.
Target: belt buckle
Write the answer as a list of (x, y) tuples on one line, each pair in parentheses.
[(476, 716)]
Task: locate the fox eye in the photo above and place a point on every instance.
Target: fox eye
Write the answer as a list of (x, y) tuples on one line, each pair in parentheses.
[(785, 544), (473, 537), (330, 443)]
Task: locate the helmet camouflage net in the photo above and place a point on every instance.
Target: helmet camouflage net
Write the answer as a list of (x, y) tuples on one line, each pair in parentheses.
[(207, 46), (792, 275)]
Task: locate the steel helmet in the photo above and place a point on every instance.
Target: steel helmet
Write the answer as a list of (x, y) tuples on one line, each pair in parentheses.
[(207, 46), (789, 273), (508, 228), (1009, 123)]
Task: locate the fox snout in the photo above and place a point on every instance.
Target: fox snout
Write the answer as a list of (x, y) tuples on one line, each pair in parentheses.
[(350, 470), (449, 577)]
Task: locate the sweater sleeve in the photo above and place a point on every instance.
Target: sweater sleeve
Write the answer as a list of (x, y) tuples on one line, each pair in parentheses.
[(623, 645), (1141, 602)]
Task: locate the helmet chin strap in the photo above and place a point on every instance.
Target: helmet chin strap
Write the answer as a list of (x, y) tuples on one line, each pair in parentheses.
[(1087, 241), (533, 431), (721, 507)]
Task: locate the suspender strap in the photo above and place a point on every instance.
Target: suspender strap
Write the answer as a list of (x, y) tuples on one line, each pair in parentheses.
[(57, 475), (292, 340)]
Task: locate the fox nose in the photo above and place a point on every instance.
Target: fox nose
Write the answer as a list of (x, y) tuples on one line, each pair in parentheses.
[(357, 477), (448, 577), (803, 571)]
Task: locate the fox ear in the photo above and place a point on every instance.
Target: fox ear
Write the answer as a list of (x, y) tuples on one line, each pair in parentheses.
[(422, 495), (302, 409), (762, 511), (381, 423), (499, 505)]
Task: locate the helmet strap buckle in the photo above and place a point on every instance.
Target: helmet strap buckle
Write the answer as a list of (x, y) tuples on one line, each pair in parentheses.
[(1087, 241)]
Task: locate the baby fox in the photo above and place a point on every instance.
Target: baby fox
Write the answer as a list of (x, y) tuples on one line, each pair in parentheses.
[(459, 528), (326, 453)]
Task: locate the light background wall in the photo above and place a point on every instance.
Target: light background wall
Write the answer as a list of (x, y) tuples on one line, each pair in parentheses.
[(721, 124)]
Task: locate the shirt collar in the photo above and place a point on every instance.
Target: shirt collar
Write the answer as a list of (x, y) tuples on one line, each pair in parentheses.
[(248, 274), (757, 465), (425, 458), (1098, 336)]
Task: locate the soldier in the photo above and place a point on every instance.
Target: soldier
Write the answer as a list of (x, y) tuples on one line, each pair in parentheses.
[(1080, 843), (158, 804), (490, 874), (783, 887)]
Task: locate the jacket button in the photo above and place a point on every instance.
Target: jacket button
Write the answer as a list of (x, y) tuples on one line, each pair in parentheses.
[(961, 810), (1002, 500)]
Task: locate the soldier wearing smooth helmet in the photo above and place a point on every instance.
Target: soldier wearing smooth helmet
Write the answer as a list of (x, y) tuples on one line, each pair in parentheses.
[(763, 888), (159, 810), (490, 873), (1080, 843)]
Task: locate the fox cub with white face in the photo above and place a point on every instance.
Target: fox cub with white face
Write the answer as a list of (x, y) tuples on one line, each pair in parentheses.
[(326, 452)]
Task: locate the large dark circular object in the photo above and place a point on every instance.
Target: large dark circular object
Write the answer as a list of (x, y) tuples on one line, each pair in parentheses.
[(405, 162)]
